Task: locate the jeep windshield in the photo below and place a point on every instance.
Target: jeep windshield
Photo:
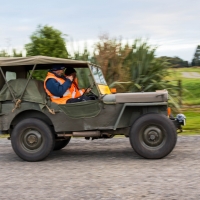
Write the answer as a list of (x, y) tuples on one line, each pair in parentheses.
[(100, 80)]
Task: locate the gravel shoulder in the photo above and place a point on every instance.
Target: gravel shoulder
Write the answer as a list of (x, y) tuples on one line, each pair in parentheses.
[(102, 169)]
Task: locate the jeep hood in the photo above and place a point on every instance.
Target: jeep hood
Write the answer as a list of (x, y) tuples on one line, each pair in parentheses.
[(137, 97)]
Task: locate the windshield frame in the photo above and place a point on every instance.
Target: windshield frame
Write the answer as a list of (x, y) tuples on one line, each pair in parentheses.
[(96, 76), (101, 85)]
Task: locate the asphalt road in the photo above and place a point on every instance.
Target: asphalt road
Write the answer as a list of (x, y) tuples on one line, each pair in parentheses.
[(102, 169)]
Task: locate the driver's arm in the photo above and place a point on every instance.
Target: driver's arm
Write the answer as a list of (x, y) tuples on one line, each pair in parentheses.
[(56, 88)]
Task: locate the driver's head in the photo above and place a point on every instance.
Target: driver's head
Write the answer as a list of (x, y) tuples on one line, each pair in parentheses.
[(70, 71), (58, 69)]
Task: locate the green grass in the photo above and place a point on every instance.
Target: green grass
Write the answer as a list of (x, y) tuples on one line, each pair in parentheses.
[(190, 97), (192, 121), (4, 135), (191, 86), (176, 74), (191, 93)]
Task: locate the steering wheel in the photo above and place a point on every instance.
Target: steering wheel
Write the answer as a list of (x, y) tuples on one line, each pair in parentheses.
[(90, 86), (93, 94)]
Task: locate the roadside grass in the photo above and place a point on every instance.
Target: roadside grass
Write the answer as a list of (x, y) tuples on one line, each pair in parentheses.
[(4, 135), (190, 98), (176, 73), (191, 92), (191, 86), (192, 121)]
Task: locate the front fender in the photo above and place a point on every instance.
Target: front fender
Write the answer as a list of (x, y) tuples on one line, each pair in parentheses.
[(131, 111)]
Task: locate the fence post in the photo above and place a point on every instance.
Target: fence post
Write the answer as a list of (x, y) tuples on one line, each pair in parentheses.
[(180, 92)]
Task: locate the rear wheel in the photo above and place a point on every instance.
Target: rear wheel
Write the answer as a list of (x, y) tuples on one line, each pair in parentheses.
[(32, 139), (153, 136), (60, 144)]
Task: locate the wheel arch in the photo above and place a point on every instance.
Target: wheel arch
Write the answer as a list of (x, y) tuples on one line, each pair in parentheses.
[(30, 114), (132, 111)]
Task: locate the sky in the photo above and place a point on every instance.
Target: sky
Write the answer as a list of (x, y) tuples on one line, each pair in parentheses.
[(171, 25)]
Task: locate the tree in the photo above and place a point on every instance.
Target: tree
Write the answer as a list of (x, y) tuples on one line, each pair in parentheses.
[(110, 54), (3, 53), (146, 72), (131, 67), (134, 67), (175, 62), (196, 59), (15, 54), (82, 56), (47, 41)]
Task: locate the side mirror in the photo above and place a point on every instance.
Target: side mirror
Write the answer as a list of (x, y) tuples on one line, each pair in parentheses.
[(113, 90)]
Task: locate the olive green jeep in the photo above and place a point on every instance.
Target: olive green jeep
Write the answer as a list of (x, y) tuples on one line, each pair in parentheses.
[(38, 126)]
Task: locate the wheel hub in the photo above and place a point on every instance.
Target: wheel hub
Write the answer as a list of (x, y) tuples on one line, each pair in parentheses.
[(31, 139), (153, 136)]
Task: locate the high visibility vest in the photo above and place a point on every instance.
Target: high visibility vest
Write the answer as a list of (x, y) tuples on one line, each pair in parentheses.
[(59, 100), (75, 92)]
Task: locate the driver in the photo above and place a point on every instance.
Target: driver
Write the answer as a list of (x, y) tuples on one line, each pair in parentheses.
[(76, 93), (57, 85)]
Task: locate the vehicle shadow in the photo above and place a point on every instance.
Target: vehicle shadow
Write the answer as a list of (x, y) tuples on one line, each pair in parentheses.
[(83, 151), (93, 154)]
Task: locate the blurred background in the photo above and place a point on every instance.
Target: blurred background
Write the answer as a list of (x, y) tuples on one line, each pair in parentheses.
[(141, 45)]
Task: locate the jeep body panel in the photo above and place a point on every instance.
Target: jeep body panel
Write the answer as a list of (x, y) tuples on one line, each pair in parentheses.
[(110, 117)]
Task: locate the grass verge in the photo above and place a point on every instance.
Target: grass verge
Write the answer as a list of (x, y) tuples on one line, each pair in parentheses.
[(4, 135), (191, 86), (192, 126)]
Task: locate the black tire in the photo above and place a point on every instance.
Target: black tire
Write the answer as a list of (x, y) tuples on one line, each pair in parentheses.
[(153, 136), (32, 140), (60, 144)]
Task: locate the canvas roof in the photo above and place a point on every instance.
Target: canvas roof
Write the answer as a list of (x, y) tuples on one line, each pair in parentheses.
[(42, 61)]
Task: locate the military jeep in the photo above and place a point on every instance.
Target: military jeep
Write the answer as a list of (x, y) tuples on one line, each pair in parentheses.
[(38, 126)]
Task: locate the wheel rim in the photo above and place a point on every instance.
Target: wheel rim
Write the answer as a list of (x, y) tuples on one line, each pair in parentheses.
[(31, 140), (153, 137)]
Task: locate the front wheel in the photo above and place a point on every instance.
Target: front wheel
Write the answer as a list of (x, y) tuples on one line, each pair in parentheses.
[(153, 136), (32, 139)]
